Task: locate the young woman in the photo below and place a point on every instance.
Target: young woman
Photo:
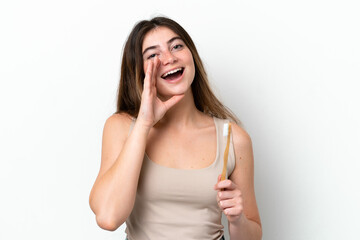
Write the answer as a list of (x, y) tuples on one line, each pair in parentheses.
[(162, 151)]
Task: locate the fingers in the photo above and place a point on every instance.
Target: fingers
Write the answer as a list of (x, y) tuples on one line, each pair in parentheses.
[(231, 206), (233, 211), (231, 203), (223, 195), (229, 198), (155, 66), (151, 72), (148, 74), (225, 184)]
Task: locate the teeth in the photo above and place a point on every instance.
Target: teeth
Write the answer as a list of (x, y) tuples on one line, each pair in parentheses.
[(171, 72)]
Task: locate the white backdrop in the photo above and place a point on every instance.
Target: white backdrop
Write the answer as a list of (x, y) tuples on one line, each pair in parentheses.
[(288, 69)]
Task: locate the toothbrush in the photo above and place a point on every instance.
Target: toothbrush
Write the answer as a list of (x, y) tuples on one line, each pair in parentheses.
[(226, 133)]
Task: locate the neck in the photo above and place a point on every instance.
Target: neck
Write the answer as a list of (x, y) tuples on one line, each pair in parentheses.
[(183, 114)]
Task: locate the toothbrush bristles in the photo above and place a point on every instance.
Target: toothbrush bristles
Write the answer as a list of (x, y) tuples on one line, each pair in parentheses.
[(226, 129)]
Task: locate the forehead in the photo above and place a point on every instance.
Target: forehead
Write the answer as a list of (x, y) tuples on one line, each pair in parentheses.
[(158, 36)]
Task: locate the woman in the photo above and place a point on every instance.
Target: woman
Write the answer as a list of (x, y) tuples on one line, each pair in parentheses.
[(158, 171)]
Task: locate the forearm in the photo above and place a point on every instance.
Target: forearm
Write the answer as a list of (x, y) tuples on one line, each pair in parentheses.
[(245, 229), (113, 195)]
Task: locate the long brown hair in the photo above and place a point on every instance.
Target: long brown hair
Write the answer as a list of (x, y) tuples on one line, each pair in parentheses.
[(132, 74)]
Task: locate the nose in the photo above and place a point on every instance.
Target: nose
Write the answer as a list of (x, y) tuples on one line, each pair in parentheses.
[(167, 58)]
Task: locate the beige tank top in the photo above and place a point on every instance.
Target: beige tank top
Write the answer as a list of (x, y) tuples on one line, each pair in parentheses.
[(179, 204)]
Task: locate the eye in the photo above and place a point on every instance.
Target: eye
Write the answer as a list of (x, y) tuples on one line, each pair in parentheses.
[(151, 56), (178, 46)]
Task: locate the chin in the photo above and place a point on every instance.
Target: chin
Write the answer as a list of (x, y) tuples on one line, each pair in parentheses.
[(173, 92)]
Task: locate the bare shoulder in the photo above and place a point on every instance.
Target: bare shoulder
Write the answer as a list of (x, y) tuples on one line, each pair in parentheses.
[(244, 159), (241, 139), (118, 122), (115, 132)]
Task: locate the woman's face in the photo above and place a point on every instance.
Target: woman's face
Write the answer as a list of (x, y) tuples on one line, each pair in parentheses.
[(176, 70)]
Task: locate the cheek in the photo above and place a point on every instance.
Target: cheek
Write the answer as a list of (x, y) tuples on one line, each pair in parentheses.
[(190, 59), (192, 64)]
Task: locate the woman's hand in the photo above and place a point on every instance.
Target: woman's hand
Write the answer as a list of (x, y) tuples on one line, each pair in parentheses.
[(152, 109), (229, 199)]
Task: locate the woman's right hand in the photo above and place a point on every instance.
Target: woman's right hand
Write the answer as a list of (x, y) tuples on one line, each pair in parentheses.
[(152, 108)]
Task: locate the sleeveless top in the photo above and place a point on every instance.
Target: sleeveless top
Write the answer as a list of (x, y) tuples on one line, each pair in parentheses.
[(174, 203)]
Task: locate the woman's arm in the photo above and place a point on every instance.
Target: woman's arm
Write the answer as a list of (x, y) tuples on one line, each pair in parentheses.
[(113, 195), (238, 201)]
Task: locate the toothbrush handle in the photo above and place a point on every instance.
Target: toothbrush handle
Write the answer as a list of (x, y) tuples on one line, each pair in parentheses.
[(226, 154)]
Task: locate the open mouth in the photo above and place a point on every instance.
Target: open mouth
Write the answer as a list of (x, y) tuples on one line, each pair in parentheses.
[(173, 74)]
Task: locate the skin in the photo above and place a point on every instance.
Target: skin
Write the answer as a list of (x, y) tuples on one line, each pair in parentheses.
[(168, 118)]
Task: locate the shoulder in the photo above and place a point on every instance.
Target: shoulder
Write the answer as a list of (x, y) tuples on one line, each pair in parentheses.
[(115, 132), (117, 118), (118, 122), (116, 129), (244, 159), (241, 138)]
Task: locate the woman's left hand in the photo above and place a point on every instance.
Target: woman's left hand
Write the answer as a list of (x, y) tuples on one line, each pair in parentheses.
[(229, 199)]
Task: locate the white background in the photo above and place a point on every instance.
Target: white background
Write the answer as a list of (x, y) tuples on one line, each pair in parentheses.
[(288, 69)]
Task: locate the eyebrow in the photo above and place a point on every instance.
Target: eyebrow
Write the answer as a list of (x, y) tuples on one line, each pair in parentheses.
[(156, 46)]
